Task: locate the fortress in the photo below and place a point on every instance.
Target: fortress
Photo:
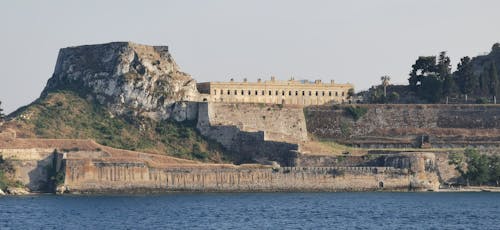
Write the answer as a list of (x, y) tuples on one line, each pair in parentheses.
[(289, 92), (276, 135)]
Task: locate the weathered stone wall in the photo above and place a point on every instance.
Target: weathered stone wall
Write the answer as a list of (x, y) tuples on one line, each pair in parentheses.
[(254, 132), (403, 125), (278, 123), (30, 166), (92, 176)]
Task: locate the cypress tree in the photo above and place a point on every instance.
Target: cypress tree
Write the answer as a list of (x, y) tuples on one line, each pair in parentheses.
[(494, 84)]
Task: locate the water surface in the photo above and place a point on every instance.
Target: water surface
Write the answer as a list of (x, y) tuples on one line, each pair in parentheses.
[(255, 211)]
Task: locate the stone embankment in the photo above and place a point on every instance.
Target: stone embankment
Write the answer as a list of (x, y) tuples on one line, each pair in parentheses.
[(91, 168)]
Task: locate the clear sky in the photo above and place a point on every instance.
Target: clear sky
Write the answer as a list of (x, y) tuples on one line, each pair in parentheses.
[(349, 41)]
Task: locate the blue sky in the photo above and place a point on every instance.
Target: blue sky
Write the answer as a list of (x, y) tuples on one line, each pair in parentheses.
[(354, 41)]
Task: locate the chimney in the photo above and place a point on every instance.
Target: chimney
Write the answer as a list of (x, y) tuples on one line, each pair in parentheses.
[(259, 80), (232, 80)]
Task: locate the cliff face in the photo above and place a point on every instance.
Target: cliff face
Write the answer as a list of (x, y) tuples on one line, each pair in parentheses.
[(125, 77)]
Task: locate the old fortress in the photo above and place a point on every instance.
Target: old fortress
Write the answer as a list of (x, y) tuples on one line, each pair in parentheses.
[(289, 92)]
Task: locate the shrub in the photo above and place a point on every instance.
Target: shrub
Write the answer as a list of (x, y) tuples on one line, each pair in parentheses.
[(356, 112)]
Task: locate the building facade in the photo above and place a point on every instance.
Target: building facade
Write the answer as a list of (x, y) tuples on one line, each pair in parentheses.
[(276, 92)]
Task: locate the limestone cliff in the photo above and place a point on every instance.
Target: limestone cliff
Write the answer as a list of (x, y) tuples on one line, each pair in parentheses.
[(125, 77)]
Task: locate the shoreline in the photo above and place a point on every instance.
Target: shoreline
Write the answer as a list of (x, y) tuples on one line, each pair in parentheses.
[(144, 192)]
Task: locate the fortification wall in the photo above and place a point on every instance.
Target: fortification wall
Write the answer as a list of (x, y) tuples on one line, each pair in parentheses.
[(84, 176), (254, 131), (30, 166), (401, 125), (278, 123)]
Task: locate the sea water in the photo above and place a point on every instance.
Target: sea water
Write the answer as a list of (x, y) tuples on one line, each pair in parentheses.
[(254, 211)]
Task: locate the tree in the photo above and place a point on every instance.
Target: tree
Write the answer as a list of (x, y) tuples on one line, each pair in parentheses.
[(494, 84), (443, 66), (477, 167), (431, 89), (2, 116), (423, 67), (484, 84), (385, 82), (393, 97), (495, 169), (449, 86), (468, 82)]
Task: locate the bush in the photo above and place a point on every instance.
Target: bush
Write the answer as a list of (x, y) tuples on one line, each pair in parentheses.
[(482, 100), (356, 112)]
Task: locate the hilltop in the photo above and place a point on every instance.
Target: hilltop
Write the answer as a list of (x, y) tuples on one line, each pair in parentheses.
[(119, 94)]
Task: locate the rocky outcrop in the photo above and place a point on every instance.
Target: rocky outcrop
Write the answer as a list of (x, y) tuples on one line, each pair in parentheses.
[(127, 78)]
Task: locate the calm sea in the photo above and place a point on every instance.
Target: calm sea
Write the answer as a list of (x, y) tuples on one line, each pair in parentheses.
[(254, 211)]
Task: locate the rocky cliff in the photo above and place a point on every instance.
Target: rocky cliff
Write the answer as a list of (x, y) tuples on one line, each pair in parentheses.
[(125, 77)]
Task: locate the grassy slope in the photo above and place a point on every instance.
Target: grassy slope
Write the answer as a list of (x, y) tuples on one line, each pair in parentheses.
[(65, 115)]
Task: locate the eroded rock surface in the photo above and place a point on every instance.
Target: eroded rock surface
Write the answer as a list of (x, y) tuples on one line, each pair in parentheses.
[(124, 76)]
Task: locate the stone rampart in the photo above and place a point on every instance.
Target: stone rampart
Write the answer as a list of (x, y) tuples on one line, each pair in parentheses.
[(254, 131), (406, 125), (84, 176)]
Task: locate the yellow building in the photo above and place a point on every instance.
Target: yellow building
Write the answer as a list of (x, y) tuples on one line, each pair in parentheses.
[(275, 92)]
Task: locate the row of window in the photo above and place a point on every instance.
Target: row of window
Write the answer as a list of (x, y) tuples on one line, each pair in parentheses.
[(249, 92)]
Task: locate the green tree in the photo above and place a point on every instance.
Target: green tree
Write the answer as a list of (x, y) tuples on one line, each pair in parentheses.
[(423, 67), (431, 89), (449, 86), (443, 66), (478, 170), (495, 169), (393, 97), (494, 84), (468, 82), (2, 116), (484, 85)]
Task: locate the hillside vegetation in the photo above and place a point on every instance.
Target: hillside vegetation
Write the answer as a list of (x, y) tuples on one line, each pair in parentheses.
[(64, 114)]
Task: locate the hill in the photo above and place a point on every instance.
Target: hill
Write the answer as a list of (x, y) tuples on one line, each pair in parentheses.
[(119, 94), (65, 115)]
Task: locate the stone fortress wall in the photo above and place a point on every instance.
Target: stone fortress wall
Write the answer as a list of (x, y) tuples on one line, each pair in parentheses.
[(402, 126), (289, 92)]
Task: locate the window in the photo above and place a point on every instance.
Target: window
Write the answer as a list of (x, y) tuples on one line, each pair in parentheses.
[(215, 92), (228, 92), (221, 92), (323, 93), (343, 93), (310, 93), (336, 94), (330, 93), (235, 92), (282, 93), (296, 93), (256, 92), (289, 93), (303, 93), (242, 92), (316, 93), (270, 93), (276, 92), (249, 92), (262, 92)]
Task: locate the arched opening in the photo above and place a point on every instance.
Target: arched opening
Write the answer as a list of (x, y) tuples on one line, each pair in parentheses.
[(381, 184)]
